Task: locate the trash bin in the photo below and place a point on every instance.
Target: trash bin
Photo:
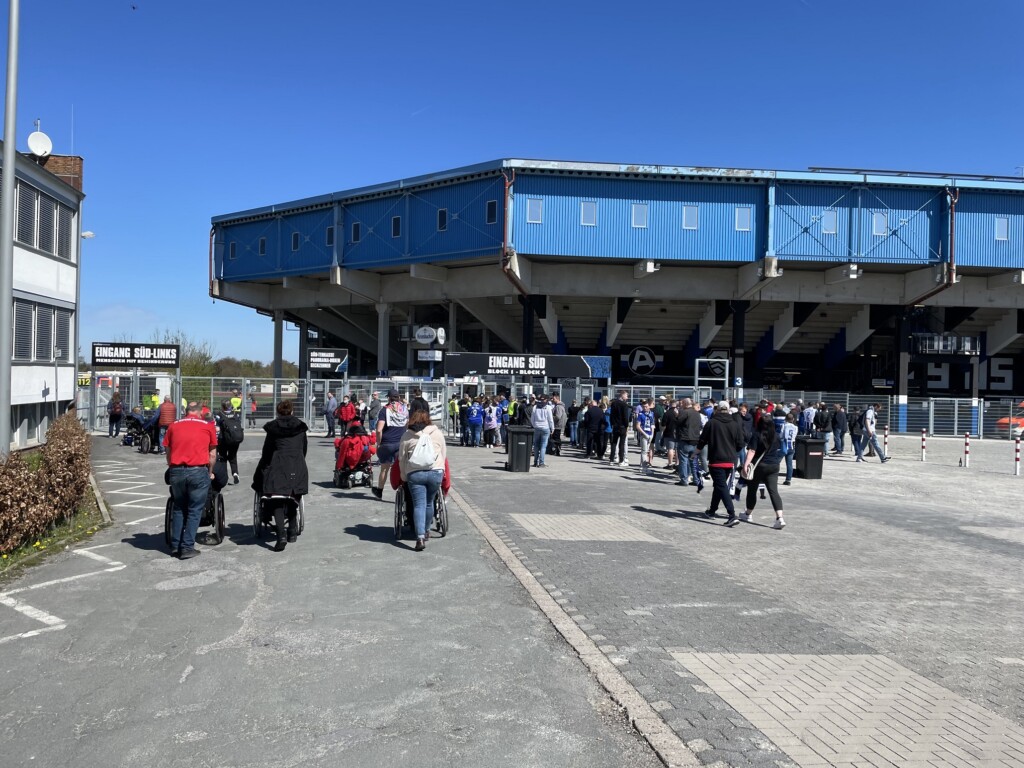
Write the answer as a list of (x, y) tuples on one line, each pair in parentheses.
[(810, 457), (520, 444)]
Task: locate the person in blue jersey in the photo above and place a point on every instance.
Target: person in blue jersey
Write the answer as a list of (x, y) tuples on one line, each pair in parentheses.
[(475, 422), (644, 425), (391, 424)]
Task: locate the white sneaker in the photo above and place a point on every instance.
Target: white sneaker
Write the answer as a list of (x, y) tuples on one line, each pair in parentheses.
[(624, 463), (779, 524), (744, 517)]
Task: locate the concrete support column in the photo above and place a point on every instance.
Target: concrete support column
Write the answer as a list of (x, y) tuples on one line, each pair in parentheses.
[(278, 343), (410, 353), (485, 341), (383, 329), (903, 359), (303, 347), (527, 325), (451, 325), (739, 332)]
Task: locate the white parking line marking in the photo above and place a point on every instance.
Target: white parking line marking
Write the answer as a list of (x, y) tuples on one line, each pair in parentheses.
[(144, 519), (137, 505), (94, 556), (32, 633), (53, 623), (65, 580)]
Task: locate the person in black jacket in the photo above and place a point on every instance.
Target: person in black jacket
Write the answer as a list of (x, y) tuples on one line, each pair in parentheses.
[(593, 421), (724, 439), (621, 415), (282, 470), (840, 426), (688, 431)]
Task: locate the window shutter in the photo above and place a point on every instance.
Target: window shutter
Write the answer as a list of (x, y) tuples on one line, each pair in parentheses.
[(27, 214), (63, 318), (47, 223), (44, 333), (22, 330), (64, 231)]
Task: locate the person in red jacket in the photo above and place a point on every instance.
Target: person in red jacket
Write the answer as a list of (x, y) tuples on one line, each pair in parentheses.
[(345, 414), (355, 448), (168, 415)]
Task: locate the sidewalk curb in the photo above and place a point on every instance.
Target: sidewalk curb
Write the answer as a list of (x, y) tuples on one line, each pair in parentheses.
[(99, 500), (670, 749)]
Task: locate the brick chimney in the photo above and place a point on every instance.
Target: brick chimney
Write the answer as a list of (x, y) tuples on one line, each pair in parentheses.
[(67, 168)]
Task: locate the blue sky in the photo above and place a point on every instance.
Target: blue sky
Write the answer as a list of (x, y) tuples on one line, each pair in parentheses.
[(186, 109)]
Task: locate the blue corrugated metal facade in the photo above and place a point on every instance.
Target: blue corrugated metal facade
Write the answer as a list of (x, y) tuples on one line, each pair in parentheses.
[(890, 225), (976, 230), (650, 212), (467, 232), (613, 234)]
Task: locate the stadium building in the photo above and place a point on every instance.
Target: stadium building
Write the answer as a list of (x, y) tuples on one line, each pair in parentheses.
[(829, 279)]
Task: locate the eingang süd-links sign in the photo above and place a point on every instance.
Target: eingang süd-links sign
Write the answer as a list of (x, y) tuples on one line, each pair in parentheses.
[(128, 354), (327, 360), (484, 364)]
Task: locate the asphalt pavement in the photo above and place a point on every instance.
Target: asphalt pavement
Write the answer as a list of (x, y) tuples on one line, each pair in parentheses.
[(882, 626)]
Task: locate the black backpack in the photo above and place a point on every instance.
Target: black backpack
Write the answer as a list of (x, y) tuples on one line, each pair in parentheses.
[(231, 429)]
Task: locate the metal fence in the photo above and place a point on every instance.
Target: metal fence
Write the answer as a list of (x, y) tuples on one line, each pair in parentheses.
[(942, 416)]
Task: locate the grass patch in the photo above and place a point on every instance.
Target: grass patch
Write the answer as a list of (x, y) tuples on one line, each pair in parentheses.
[(33, 457), (86, 521)]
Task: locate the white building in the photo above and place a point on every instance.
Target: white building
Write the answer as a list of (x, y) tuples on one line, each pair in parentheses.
[(47, 238)]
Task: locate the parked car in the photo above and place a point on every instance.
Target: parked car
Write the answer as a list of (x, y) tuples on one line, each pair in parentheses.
[(1013, 425)]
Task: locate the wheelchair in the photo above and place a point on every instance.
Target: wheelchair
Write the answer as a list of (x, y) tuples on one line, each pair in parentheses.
[(213, 516), (263, 520), (350, 478), (403, 512)]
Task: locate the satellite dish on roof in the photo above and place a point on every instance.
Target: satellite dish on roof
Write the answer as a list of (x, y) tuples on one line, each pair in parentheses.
[(39, 144)]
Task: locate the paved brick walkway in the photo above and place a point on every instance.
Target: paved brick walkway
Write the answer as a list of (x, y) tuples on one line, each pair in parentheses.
[(883, 626)]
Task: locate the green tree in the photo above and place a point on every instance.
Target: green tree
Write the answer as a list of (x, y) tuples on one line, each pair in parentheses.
[(196, 356)]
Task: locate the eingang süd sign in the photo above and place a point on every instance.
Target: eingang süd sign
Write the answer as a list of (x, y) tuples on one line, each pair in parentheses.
[(128, 354), (484, 364)]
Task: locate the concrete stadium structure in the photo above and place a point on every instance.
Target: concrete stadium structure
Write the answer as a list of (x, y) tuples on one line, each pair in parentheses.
[(857, 280)]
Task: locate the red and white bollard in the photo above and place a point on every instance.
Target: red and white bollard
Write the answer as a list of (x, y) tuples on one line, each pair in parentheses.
[(967, 449), (1016, 457), (885, 440), (924, 445)]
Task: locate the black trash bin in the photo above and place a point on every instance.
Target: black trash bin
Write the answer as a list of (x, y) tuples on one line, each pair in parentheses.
[(810, 457), (520, 443)]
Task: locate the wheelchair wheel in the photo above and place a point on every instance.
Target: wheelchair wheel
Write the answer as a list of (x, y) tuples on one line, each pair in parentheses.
[(218, 520), (300, 515), (257, 523), (399, 512), (338, 482), (441, 514), (145, 444), (168, 515)]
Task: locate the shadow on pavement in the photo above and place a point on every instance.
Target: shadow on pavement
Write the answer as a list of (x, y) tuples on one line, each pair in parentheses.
[(147, 541), (242, 535), (682, 514), (378, 534)]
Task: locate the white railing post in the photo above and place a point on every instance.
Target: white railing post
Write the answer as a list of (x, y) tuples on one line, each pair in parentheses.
[(924, 445)]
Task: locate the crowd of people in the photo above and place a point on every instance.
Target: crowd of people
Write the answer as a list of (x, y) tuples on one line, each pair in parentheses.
[(740, 449)]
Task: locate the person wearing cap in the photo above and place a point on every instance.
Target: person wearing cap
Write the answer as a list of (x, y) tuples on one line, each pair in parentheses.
[(191, 446), (372, 410), (723, 438), (391, 424), (543, 424)]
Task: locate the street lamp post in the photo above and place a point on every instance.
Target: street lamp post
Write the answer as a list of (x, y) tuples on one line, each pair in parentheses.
[(7, 230)]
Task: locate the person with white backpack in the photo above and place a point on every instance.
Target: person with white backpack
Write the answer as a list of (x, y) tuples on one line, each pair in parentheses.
[(421, 460)]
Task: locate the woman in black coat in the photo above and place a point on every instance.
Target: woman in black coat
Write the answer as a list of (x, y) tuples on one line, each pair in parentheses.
[(282, 470)]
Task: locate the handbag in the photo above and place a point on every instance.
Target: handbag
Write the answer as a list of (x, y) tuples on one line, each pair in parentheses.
[(748, 472)]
